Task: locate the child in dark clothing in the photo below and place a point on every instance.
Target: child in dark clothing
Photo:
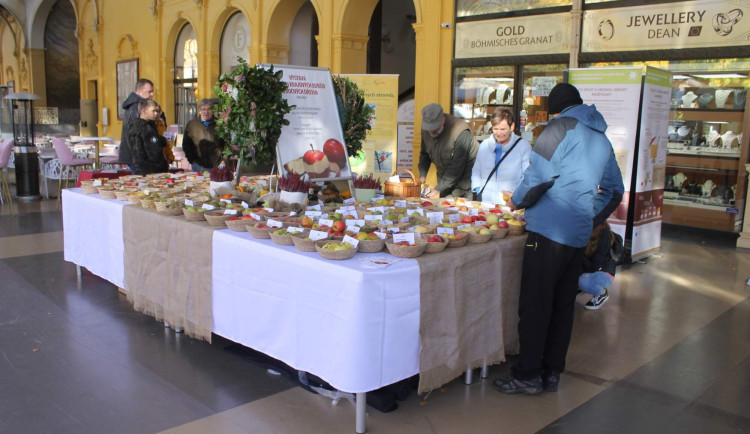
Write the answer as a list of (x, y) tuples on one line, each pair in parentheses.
[(598, 266)]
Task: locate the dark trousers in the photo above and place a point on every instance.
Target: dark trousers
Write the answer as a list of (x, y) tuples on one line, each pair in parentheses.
[(549, 284)]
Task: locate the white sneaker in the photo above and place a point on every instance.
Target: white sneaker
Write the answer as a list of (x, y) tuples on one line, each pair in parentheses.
[(598, 301)]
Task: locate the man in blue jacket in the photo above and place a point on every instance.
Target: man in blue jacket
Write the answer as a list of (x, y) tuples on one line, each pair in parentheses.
[(572, 184)]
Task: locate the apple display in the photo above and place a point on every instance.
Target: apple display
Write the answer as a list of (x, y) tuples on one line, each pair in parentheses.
[(335, 152), (316, 163)]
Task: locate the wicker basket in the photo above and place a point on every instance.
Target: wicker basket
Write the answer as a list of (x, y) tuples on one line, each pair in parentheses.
[(260, 233), (194, 216), (164, 205), (434, 247), (174, 210), (402, 189), (88, 187), (147, 202), (304, 245), (430, 228), (476, 238), (458, 242), (499, 233), (407, 251), (370, 246), (238, 225), (135, 198), (216, 218), (122, 195), (334, 254), (282, 240), (517, 229), (106, 193)]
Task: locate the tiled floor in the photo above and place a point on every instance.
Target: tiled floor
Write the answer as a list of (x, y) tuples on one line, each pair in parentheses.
[(668, 353)]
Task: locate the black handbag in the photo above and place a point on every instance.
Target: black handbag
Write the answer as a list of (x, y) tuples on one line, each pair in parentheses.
[(478, 196)]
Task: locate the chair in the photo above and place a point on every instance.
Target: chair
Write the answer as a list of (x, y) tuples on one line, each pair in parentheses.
[(112, 161), (5, 150), (67, 161)]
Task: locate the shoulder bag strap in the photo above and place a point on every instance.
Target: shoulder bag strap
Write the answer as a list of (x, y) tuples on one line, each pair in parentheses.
[(494, 169)]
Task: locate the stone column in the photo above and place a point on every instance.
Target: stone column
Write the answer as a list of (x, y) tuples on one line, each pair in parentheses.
[(349, 54), (744, 240)]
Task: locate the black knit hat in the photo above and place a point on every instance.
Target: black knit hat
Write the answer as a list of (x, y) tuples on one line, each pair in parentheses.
[(562, 96)]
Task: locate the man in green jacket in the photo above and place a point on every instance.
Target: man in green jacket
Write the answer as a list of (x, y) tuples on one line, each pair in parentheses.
[(448, 143), (201, 144)]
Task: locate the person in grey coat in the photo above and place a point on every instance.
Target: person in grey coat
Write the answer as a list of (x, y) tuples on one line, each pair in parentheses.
[(144, 89)]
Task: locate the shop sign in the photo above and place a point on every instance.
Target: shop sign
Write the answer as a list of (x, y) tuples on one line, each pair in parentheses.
[(693, 24), (531, 35)]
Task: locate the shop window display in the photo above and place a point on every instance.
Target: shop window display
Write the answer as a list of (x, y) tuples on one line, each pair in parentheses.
[(478, 92)]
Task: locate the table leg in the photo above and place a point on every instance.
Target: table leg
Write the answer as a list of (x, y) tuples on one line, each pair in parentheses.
[(468, 376), (360, 418), (78, 272), (485, 371)]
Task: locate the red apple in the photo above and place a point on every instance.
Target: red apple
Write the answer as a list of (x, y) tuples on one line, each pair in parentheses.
[(335, 152), (503, 224), (316, 163), (425, 203), (339, 226), (466, 219)]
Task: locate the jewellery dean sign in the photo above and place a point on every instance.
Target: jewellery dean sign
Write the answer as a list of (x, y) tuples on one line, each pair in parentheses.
[(541, 34), (694, 24)]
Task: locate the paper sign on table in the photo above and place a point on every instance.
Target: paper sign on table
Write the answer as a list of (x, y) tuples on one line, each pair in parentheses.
[(474, 211), (480, 223), (452, 208), (292, 213), (274, 224), (350, 201), (400, 204), (294, 230), (445, 231), (454, 218), (208, 207), (460, 227), (403, 220), (463, 213), (345, 209), (325, 222), (199, 178), (408, 237), (373, 217), (255, 216), (377, 208), (97, 183), (419, 211), (244, 204), (225, 200), (352, 241), (230, 212), (353, 229), (387, 222), (381, 235), (313, 214), (317, 235), (314, 207), (393, 229), (188, 202), (268, 209), (378, 261), (356, 222)]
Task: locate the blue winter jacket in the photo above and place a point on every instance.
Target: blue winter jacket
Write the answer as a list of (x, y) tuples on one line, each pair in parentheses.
[(570, 162)]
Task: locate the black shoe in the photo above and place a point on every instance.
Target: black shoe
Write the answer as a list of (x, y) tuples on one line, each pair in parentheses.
[(551, 381), (512, 386), (597, 302)]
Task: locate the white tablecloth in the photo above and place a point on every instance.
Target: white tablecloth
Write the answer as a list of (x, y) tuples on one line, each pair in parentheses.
[(356, 328), (92, 234)]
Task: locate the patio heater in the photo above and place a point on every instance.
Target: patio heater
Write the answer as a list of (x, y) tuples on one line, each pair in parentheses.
[(26, 158)]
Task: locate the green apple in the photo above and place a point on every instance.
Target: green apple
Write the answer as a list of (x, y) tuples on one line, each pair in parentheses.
[(492, 219)]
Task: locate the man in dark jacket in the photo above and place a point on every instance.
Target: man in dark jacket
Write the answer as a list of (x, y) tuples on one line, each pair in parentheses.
[(144, 89), (572, 184), (201, 144), (147, 145)]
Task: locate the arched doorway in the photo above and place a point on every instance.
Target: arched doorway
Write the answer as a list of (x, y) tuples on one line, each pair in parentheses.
[(235, 42), (185, 75), (61, 67), (303, 47), (392, 47)]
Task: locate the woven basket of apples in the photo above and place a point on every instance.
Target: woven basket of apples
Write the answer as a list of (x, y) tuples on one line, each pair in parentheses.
[(216, 218), (435, 243), (336, 250), (516, 227), (369, 242), (303, 243), (282, 237), (260, 230), (405, 250), (194, 214), (237, 223), (478, 235), (457, 240)]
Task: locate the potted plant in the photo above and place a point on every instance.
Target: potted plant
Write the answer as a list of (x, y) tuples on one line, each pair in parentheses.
[(251, 113), (221, 181), (294, 188), (365, 188), (354, 112)]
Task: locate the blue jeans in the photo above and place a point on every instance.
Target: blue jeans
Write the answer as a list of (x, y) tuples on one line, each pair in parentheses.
[(198, 168), (594, 283)]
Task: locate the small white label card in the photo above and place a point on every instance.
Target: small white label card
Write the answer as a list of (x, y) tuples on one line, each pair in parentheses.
[(377, 208), (230, 212), (411, 228), (255, 217), (463, 213), (353, 229), (244, 204), (403, 220), (387, 222), (454, 218), (207, 207), (346, 209), (317, 235), (274, 224), (199, 179), (225, 200), (474, 211), (188, 202), (268, 209), (313, 214), (350, 240), (488, 205), (378, 197), (356, 222), (350, 201), (400, 204), (436, 217), (381, 235), (294, 229), (419, 211), (352, 213), (314, 207), (452, 208), (373, 217), (459, 227), (408, 237), (325, 222), (393, 229), (480, 223), (445, 231), (97, 183), (292, 213)]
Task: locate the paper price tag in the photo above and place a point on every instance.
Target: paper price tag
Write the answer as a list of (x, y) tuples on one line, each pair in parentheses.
[(275, 224), (403, 220), (208, 207), (408, 237), (373, 217), (419, 211), (488, 205), (445, 231), (463, 213), (459, 227), (480, 223), (324, 215), (474, 211), (230, 212), (400, 204), (387, 222), (199, 178), (189, 184), (325, 222), (381, 235), (393, 229), (346, 209), (268, 209), (294, 230), (189, 202), (352, 213), (454, 218), (317, 235), (349, 201), (244, 204), (314, 208), (377, 208), (352, 228), (352, 241), (313, 214), (292, 213), (255, 217), (379, 197), (97, 183), (411, 228), (356, 222), (225, 200)]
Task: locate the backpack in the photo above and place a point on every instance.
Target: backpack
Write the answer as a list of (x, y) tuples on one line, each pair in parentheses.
[(617, 251)]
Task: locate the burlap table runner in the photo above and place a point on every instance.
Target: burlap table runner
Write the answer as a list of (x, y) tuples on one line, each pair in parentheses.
[(468, 310), (168, 269)]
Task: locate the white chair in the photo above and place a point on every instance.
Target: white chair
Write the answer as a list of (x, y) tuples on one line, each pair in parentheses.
[(5, 151), (54, 170)]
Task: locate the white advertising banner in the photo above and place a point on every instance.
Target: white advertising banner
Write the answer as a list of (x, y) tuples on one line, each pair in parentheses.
[(529, 35), (670, 26), (312, 144)]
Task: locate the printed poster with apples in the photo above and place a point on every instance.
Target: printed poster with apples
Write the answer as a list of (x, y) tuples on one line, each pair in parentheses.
[(312, 145)]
